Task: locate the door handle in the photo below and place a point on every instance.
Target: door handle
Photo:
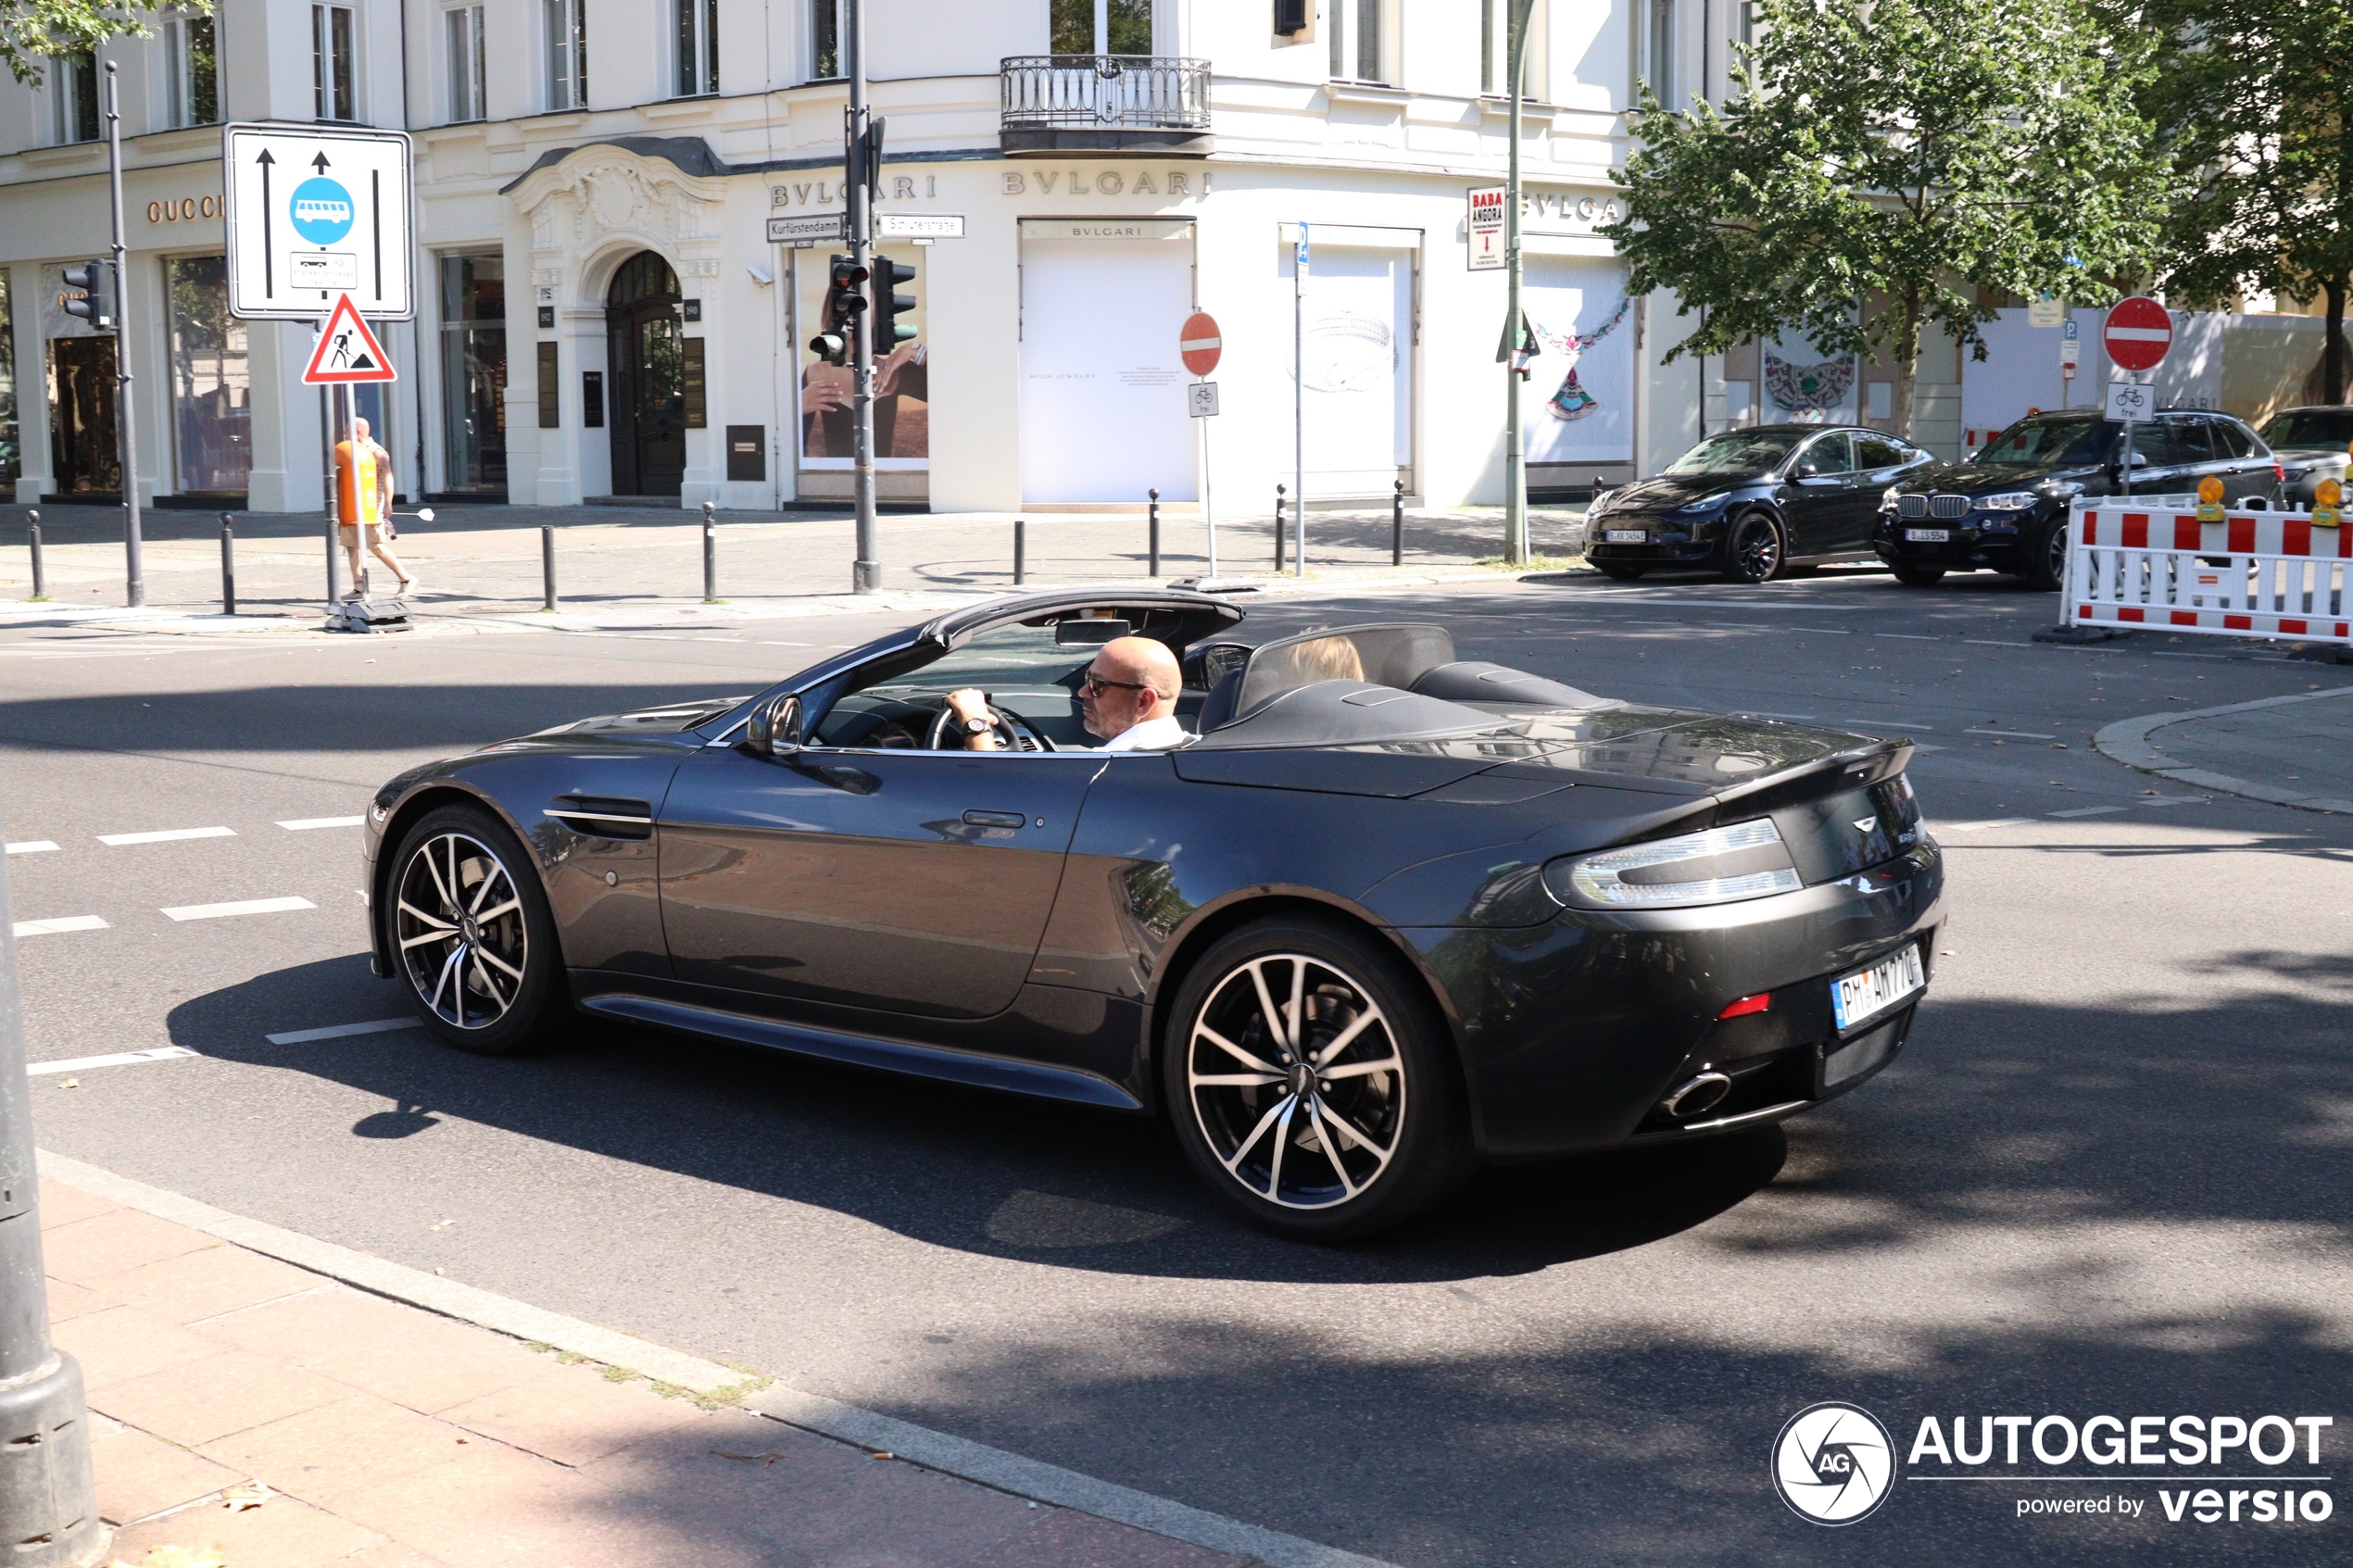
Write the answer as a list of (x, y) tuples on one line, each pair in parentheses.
[(994, 818)]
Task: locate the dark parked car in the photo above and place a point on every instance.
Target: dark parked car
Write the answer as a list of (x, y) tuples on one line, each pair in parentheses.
[(1749, 503), (2311, 445), (2005, 508), (1390, 914)]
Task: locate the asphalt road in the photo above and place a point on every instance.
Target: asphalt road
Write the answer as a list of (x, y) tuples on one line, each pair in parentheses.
[(2106, 1176)]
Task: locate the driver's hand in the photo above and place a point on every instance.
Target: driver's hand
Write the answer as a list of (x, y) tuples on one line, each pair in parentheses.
[(967, 705)]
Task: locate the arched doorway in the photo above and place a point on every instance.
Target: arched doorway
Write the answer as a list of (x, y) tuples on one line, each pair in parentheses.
[(648, 381)]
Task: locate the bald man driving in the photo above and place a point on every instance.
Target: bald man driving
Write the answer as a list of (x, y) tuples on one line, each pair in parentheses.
[(1129, 698)]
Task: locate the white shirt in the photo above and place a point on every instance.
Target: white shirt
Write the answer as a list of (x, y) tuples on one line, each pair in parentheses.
[(1164, 733)]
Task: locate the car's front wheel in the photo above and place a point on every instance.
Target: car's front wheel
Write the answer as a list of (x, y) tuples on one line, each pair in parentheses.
[(1753, 552), (471, 934), (1311, 1084), (2047, 557)]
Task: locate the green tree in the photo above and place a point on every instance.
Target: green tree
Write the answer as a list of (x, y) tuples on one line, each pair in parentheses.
[(1878, 164), (30, 30), (2254, 107)]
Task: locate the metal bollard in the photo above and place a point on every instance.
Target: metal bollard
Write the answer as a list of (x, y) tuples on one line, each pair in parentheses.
[(710, 553), (228, 567), (1279, 531), (1397, 526), (547, 567), (33, 538), (1152, 569), (1021, 550), (334, 576)]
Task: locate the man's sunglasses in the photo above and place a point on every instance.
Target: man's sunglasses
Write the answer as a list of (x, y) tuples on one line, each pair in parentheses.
[(1095, 686)]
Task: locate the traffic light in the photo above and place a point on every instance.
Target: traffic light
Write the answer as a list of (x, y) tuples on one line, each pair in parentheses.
[(889, 331), (96, 303), (845, 296)]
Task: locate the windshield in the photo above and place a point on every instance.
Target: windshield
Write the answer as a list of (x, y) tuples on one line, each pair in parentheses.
[(2310, 427), (2051, 440), (1747, 452)]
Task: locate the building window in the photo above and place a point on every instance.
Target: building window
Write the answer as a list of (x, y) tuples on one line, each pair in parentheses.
[(474, 372), (697, 48), (11, 465), (462, 29), (1358, 32), (567, 54), (1658, 51), (211, 393), (1112, 27), (824, 40), (73, 87), (192, 71), (331, 63)]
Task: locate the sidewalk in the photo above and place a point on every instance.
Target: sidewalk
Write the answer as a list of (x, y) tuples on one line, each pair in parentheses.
[(251, 1413), (483, 562), (2294, 750)]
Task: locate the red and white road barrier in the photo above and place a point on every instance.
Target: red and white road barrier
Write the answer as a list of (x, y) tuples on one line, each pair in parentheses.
[(2148, 562)]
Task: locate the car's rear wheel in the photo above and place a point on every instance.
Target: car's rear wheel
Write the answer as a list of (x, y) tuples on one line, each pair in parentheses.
[(1623, 571), (1917, 576), (471, 934), (1753, 551), (2047, 557), (1311, 1084)]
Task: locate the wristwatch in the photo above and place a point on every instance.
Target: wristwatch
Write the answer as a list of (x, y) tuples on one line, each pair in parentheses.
[(977, 726)]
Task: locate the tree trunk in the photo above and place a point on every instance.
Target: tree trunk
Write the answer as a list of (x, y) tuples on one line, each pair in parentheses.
[(1907, 361), (2333, 351)]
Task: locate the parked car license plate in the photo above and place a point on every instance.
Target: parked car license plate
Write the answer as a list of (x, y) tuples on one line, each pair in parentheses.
[(1927, 536), (1864, 995), (1625, 537)]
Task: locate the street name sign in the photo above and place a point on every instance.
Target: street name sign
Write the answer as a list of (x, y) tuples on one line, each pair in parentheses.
[(2138, 333), (809, 229), (1199, 343), (2130, 401), (346, 353), (2045, 313), (1484, 226), (314, 212), (919, 226), (1201, 399)]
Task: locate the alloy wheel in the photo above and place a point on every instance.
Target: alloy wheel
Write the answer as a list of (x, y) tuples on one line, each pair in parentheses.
[(2054, 554), (459, 926), (1296, 1081), (1756, 549)]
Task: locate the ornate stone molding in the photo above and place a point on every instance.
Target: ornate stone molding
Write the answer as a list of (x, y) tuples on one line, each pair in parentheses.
[(602, 192)]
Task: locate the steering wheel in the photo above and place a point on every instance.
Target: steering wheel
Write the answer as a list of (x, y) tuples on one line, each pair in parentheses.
[(1013, 732)]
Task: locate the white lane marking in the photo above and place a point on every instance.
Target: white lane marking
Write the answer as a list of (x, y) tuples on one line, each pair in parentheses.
[(2090, 811), (31, 846), (242, 907), (774, 644), (1993, 643), (304, 824), (2010, 734), (336, 1031), (2173, 800), (63, 922), (120, 1059), (1910, 636), (166, 835), (1808, 630), (1761, 713), (1660, 601), (1923, 745), (1890, 725), (1980, 827)]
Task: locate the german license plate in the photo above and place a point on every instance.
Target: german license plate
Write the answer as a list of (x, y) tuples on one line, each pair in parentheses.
[(1625, 537), (1928, 535), (1864, 995)]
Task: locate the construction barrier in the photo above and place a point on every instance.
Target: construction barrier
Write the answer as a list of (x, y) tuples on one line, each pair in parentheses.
[(2150, 561)]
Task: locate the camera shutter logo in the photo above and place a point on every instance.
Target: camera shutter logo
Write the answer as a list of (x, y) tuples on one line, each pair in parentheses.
[(1834, 1463)]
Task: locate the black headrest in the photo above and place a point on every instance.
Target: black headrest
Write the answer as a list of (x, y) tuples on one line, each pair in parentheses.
[(1219, 708)]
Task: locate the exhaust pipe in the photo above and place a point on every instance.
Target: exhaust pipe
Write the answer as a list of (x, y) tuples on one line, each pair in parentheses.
[(1702, 1094)]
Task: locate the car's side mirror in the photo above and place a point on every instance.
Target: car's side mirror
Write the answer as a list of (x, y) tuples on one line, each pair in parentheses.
[(1805, 469), (774, 727)]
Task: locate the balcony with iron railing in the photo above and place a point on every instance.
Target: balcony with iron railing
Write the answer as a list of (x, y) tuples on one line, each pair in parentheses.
[(1104, 104)]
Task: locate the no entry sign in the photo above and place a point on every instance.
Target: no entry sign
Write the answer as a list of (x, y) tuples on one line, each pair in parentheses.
[(1197, 341), (2138, 333)]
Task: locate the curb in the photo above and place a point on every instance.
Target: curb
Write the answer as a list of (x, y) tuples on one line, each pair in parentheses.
[(995, 1468), (2127, 741)]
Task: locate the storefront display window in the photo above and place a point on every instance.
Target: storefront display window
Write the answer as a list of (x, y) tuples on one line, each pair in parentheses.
[(211, 393), (474, 372), (11, 460), (1359, 403), (902, 379), (1584, 325)]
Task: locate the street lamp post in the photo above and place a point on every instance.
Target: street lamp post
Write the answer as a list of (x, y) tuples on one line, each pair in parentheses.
[(125, 420), (1514, 445)]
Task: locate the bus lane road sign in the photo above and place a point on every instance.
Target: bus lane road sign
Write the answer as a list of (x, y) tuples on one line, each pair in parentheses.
[(315, 212)]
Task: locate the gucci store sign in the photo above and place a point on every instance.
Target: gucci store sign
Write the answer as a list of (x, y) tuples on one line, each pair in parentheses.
[(187, 209)]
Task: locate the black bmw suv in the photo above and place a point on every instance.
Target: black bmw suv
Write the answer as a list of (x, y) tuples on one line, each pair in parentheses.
[(2005, 508)]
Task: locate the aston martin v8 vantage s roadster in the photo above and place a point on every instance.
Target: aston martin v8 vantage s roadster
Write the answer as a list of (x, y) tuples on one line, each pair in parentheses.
[(1386, 913)]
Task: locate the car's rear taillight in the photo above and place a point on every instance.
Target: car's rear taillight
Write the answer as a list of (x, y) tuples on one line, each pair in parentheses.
[(2279, 474)]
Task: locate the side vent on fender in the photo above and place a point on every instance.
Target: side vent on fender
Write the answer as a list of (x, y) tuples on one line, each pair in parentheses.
[(604, 816)]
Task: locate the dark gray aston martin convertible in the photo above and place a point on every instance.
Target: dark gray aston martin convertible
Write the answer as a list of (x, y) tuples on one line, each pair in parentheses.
[(1390, 914)]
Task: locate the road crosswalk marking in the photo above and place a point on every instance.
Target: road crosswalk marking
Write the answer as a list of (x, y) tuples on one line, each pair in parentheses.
[(241, 907), (165, 835), (31, 847), (336, 1031), (61, 923), (303, 824), (120, 1059)]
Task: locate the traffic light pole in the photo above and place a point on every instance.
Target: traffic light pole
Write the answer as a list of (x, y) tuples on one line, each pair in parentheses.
[(866, 574), (1514, 445), (126, 423)]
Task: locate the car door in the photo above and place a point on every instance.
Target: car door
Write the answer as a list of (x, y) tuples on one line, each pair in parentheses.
[(2242, 472), (2170, 455), (907, 882), (1825, 503)]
